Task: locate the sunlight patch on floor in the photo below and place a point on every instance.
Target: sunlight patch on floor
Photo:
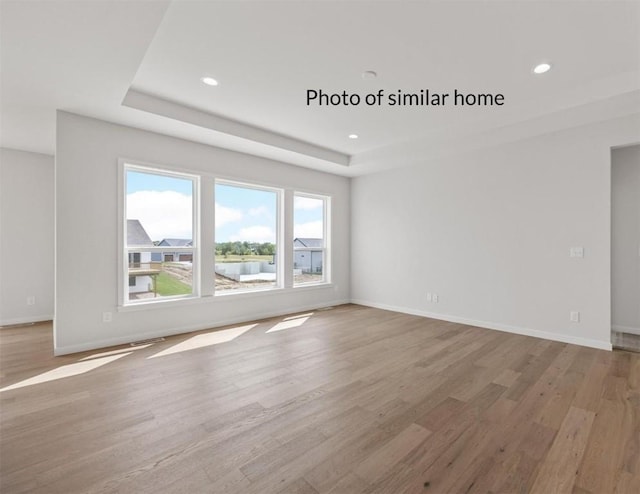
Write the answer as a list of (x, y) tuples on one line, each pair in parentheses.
[(290, 322), (307, 316), (116, 352), (207, 339), (68, 370)]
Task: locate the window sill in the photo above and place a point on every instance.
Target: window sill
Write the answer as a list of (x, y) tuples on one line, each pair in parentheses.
[(257, 293), (219, 297), (244, 293), (173, 302), (312, 285)]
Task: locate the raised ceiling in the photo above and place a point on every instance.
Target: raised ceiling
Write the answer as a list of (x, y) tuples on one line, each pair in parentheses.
[(140, 64)]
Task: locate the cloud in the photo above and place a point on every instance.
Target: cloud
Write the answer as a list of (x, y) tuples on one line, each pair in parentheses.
[(255, 233), (312, 229), (166, 214), (226, 215), (259, 211), (307, 203)]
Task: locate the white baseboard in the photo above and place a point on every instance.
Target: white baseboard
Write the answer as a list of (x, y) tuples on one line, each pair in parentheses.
[(603, 345), (625, 329), (123, 340), (26, 320)]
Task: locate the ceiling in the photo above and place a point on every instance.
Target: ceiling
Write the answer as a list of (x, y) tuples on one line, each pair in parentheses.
[(140, 64)]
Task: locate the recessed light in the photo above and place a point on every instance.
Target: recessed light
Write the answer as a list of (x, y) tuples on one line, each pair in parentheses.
[(353, 136), (541, 68), (209, 81), (367, 75)]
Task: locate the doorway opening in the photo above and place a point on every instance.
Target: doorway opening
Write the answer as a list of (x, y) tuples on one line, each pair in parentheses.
[(625, 248)]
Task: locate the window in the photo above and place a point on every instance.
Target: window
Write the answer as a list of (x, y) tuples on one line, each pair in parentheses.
[(310, 239), (246, 233), (164, 256), (159, 235)]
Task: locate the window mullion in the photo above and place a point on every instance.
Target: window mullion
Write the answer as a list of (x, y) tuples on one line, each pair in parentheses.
[(287, 238), (207, 236)]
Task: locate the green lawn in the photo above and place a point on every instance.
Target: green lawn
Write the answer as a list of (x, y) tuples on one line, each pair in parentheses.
[(167, 286)]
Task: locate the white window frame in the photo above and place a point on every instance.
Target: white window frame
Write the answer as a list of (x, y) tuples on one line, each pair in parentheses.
[(326, 237), (123, 282), (280, 269)]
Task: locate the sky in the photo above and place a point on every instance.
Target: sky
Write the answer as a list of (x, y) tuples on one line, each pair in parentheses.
[(164, 204)]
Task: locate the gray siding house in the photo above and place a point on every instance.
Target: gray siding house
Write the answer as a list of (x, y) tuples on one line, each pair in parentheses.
[(139, 262), (170, 256), (309, 261)]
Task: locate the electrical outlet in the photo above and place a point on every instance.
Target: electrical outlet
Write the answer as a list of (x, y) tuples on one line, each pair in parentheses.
[(434, 297), (574, 316), (31, 300), (576, 252), (429, 297), (107, 317)]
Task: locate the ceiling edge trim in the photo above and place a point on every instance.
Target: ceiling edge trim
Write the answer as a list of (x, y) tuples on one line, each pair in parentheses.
[(159, 106), (411, 153)]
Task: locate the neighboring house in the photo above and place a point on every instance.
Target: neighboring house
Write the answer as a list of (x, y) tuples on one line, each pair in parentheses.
[(309, 261), (139, 262), (169, 256)]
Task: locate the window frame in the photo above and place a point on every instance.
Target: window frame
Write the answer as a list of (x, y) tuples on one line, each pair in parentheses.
[(204, 239), (280, 270), (123, 252), (326, 239)]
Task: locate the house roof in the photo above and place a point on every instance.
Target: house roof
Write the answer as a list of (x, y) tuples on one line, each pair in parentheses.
[(309, 242), (137, 235), (176, 242)]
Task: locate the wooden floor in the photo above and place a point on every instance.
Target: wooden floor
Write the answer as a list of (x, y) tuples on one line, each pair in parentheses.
[(349, 400), (625, 341)]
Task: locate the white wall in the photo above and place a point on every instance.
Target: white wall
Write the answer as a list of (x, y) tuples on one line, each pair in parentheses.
[(87, 153), (490, 234), (625, 239), (26, 236)]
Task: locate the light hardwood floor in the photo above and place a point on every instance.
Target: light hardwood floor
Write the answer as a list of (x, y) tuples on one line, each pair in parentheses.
[(349, 400)]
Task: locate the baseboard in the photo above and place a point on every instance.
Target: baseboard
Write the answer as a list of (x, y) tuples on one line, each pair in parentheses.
[(123, 340), (603, 345), (625, 329), (26, 320)]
